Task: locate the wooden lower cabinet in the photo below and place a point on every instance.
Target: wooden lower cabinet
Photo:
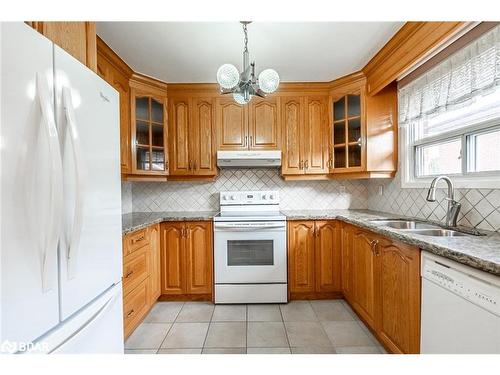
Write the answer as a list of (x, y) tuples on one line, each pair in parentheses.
[(398, 315), (381, 281), (141, 275), (187, 260), (363, 274), (314, 259)]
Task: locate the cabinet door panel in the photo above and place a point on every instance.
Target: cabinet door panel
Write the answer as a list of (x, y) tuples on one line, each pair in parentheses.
[(264, 124), (301, 256), (327, 250), (347, 266), (232, 126), (364, 275), (399, 296), (180, 159), (155, 275), (172, 258), (292, 129), (315, 136), (199, 258), (203, 137), (119, 81)]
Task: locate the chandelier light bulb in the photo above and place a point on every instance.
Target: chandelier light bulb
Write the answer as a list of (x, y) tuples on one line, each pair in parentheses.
[(240, 99), (269, 80), (228, 76)]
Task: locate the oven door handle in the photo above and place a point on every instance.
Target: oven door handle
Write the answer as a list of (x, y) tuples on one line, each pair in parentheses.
[(233, 228)]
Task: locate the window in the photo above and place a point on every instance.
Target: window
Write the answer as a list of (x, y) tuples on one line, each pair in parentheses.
[(450, 119)]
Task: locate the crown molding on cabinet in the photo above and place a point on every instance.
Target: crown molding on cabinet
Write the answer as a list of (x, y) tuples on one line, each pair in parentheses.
[(414, 42)]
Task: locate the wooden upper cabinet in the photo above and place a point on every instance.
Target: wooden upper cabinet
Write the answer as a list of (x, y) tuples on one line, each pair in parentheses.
[(398, 270), (363, 130), (180, 133), (301, 260), (203, 147), (363, 273), (316, 136), (148, 103), (328, 256), (199, 263), (264, 124), (292, 130), (76, 38), (114, 71), (232, 125), (172, 258)]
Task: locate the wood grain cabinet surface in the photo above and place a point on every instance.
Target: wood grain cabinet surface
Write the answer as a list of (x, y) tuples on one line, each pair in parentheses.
[(381, 281), (192, 137), (305, 135), (141, 275), (314, 256), (187, 260), (255, 126), (76, 38)]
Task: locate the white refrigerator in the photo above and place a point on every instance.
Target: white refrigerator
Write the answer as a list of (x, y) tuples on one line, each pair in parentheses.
[(60, 255)]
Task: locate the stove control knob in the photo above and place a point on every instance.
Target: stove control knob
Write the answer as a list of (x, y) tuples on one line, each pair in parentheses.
[(232, 197), (264, 197), (224, 197), (271, 197)]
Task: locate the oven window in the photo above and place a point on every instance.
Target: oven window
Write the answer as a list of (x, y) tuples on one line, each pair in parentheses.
[(250, 253)]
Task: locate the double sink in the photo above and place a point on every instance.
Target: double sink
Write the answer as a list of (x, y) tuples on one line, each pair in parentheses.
[(420, 227)]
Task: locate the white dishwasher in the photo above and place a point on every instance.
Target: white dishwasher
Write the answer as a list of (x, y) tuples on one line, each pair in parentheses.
[(460, 308)]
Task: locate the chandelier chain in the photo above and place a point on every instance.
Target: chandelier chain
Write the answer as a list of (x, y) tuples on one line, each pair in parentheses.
[(246, 37)]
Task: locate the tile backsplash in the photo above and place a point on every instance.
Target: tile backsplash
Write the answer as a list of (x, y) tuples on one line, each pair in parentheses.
[(480, 207), (190, 196)]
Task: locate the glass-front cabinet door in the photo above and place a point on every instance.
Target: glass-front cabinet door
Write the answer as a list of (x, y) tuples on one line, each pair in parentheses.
[(347, 133), (149, 132)]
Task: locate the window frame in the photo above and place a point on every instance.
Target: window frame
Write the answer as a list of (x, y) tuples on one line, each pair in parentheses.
[(466, 179)]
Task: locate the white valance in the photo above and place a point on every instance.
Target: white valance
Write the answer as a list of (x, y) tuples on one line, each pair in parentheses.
[(472, 71)]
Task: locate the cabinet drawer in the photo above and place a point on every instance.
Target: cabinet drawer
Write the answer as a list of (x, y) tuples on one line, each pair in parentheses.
[(135, 305), (135, 240), (136, 268)]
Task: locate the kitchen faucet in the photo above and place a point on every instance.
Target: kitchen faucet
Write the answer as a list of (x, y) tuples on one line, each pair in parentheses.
[(453, 205)]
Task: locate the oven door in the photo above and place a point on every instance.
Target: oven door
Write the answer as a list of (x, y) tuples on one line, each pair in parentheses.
[(250, 252)]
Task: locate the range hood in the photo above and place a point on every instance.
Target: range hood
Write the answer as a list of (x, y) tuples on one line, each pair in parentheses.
[(248, 159)]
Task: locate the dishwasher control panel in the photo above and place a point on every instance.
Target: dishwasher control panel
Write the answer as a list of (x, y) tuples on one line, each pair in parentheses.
[(475, 286)]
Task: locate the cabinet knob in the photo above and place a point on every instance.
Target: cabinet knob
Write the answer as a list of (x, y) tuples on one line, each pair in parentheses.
[(306, 164)]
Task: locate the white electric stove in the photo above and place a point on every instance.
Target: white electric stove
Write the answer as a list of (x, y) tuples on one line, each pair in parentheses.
[(250, 248)]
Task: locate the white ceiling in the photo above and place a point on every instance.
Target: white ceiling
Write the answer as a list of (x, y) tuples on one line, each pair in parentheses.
[(192, 51)]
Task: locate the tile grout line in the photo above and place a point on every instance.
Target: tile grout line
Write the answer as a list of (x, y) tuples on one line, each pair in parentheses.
[(171, 326), (322, 327), (208, 329), (286, 331)]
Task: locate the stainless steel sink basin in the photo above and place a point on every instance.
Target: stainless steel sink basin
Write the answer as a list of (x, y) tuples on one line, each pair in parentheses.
[(404, 224), (438, 232)]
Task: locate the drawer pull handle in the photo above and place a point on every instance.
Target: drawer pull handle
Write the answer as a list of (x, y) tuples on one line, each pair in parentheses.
[(129, 274), (130, 313), (134, 240)]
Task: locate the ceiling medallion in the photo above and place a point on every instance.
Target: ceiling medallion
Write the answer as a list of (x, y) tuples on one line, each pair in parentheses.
[(244, 85)]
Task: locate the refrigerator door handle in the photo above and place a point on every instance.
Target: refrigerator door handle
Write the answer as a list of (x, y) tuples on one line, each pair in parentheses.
[(56, 181), (80, 172)]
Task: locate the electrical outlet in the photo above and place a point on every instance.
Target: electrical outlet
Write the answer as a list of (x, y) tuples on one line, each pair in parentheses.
[(342, 189)]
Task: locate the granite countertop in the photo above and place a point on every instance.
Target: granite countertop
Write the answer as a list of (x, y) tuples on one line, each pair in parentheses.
[(138, 220), (481, 252)]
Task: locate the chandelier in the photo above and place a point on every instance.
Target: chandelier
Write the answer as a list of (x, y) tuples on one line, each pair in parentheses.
[(244, 85)]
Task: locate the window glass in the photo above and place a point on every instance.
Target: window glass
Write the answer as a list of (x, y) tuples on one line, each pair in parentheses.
[(486, 154), (439, 158)]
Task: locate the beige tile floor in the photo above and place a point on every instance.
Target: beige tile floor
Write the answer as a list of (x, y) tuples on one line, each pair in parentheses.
[(299, 327)]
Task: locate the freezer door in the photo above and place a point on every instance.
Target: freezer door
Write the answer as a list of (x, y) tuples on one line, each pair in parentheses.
[(97, 328), (87, 115), (30, 188)]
